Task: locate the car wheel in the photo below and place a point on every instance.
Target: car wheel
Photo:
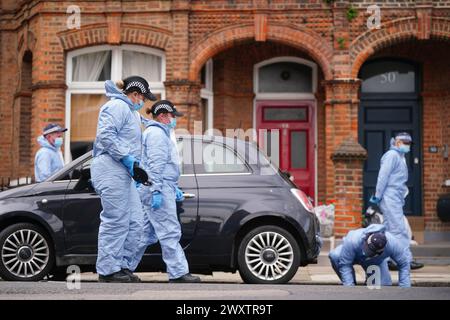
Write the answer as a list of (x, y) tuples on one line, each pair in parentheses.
[(268, 255), (26, 253), (58, 274)]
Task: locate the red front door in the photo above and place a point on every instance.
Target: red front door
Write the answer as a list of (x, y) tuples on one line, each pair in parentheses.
[(286, 133)]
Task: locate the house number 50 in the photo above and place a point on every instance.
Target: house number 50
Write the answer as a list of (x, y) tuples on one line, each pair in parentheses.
[(388, 77)]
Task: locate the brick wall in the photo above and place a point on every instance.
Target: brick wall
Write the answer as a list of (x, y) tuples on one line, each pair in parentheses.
[(191, 32), (436, 110), (9, 81), (24, 127), (348, 193)]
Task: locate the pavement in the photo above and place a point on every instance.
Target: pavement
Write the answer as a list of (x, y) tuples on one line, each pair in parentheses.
[(436, 272), (180, 293), (314, 274)]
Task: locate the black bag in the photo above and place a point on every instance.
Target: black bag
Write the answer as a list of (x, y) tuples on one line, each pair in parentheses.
[(372, 215)]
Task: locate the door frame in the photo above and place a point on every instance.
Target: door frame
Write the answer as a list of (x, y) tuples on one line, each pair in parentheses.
[(413, 96), (308, 97)]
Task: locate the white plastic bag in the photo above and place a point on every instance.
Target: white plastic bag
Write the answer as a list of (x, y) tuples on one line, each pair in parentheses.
[(325, 214)]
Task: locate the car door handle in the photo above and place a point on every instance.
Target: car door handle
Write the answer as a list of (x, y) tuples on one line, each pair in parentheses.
[(188, 195)]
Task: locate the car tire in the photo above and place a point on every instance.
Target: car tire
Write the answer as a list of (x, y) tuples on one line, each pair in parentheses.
[(26, 253), (58, 274), (268, 255)]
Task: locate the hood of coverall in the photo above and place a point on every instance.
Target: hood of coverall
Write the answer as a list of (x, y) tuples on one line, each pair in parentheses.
[(44, 143), (113, 92), (394, 147), (153, 123), (374, 228)]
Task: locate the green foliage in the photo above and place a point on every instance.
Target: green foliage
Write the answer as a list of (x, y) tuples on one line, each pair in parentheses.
[(351, 13), (341, 42)]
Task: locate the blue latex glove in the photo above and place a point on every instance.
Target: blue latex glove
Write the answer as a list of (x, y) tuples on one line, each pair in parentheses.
[(156, 199), (374, 200), (178, 195), (128, 162)]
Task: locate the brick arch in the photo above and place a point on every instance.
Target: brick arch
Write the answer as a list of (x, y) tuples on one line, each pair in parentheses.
[(391, 33), (228, 37), (95, 34), (145, 35)]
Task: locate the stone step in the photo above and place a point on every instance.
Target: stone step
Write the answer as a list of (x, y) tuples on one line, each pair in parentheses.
[(431, 250), (433, 261)]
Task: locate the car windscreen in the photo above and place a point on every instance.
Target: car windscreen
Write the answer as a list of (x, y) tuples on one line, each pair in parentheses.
[(63, 173)]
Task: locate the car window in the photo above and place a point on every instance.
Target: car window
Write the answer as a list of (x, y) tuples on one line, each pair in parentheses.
[(213, 158)]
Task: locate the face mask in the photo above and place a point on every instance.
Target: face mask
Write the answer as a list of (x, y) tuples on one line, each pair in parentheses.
[(173, 123), (58, 142), (404, 148), (138, 106)]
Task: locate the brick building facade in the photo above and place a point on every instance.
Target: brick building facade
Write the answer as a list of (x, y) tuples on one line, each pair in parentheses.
[(348, 82)]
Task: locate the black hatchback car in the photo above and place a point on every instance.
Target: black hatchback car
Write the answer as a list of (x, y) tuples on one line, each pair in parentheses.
[(238, 214)]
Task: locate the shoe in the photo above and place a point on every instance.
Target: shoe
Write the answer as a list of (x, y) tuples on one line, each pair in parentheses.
[(133, 277), (187, 278), (416, 265), (116, 277), (392, 265)]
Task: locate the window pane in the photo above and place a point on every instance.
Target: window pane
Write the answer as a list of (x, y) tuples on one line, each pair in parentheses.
[(285, 77), (285, 114), (298, 150), (90, 67), (141, 64), (388, 76), (216, 158), (83, 121)]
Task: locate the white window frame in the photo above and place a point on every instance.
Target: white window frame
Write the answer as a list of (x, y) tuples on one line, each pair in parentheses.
[(303, 96), (287, 95), (207, 93), (98, 87)]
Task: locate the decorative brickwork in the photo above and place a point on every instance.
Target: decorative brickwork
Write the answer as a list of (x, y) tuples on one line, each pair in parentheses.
[(236, 35)]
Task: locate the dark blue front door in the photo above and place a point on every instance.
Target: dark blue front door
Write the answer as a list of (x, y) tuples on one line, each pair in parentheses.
[(383, 112)]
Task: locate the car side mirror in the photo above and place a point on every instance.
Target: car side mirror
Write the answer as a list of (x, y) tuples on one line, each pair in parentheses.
[(86, 173), (84, 180)]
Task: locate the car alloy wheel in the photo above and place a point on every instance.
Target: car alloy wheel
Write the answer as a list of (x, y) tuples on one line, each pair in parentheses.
[(25, 253), (268, 254)]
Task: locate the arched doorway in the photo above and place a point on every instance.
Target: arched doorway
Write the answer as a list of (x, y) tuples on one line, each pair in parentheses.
[(285, 116), (390, 103)]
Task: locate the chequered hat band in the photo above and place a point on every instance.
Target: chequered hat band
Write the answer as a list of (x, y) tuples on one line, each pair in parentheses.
[(136, 84), (163, 106)]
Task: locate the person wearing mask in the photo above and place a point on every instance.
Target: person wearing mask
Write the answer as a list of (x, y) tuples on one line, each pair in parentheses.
[(391, 190), (161, 162), (117, 148), (371, 246), (49, 158)]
